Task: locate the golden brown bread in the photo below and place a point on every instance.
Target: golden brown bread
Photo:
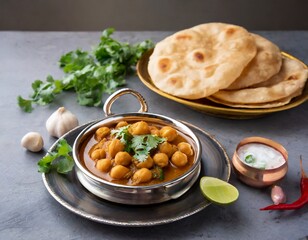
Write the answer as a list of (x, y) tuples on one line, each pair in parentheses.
[(197, 62), (288, 82), (272, 104), (263, 66), (226, 64)]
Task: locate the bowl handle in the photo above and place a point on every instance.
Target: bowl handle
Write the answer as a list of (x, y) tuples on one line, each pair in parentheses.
[(111, 99)]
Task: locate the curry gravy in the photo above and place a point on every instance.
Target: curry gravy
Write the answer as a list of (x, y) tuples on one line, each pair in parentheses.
[(170, 172)]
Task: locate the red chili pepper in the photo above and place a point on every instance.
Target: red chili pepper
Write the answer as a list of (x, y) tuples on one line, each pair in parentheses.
[(298, 203)]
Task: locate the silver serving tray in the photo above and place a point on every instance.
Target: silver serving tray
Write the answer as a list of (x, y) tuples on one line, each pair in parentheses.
[(67, 190)]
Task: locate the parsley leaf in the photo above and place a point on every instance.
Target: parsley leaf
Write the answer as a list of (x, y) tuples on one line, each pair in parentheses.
[(60, 159), (90, 75)]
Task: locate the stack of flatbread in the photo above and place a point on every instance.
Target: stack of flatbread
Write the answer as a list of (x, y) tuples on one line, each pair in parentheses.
[(228, 65)]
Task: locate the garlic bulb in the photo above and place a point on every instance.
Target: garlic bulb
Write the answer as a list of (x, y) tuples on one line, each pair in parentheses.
[(60, 122), (277, 195), (32, 141)]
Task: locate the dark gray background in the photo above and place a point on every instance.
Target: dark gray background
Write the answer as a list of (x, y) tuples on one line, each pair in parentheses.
[(95, 15)]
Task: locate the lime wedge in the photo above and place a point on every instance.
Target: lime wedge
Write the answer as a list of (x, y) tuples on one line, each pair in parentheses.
[(218, 191)]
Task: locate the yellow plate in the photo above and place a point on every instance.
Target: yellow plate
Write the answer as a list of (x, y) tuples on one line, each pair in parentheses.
[(211, 108)]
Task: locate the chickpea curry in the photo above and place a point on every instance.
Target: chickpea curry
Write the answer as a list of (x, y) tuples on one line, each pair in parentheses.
[(137, 153)]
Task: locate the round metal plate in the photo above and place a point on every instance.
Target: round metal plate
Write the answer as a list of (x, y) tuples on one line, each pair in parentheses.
[(67, 190)]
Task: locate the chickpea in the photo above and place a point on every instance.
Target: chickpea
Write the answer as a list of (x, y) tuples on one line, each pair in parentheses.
[(139, 128), (100, 144), (103, 165), (161, 159), (148, 163), (154, 130), (186, 148), (167, 148), (174, 149), (122, 158), (169, 133), (121, 124), (119, 172), (114, 147), (98, 154), (179, 159), (142, 175), (101, 133)]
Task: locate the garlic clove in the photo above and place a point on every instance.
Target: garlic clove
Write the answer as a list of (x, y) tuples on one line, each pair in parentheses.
[(277, 195), (32, 141), (60, 122)]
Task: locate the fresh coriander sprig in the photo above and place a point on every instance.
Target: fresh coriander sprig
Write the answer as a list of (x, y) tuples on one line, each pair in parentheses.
[(122, 134), (143, 144), (139, 145), (60, 159), (90, 75)]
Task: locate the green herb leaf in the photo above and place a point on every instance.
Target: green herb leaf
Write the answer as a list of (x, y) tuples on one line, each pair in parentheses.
[(65, 164), (158, 173), (75, 60), (90, 75), (123, 134), (140, 145), (25, 104), (45, 92), (60, 159), (143, 144), (250, 158), (63, 148), (45, 163)]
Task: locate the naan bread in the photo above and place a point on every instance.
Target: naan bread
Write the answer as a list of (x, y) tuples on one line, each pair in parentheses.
[(287, 82), (197, 62), (263, 66), (278, 103), (290, 69)]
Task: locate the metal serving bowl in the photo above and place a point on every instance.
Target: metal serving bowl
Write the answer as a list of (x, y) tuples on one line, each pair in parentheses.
[(256, 177), (136, 195)]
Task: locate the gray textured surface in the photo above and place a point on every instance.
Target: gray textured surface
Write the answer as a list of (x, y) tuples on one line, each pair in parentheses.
[(27, 211)]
